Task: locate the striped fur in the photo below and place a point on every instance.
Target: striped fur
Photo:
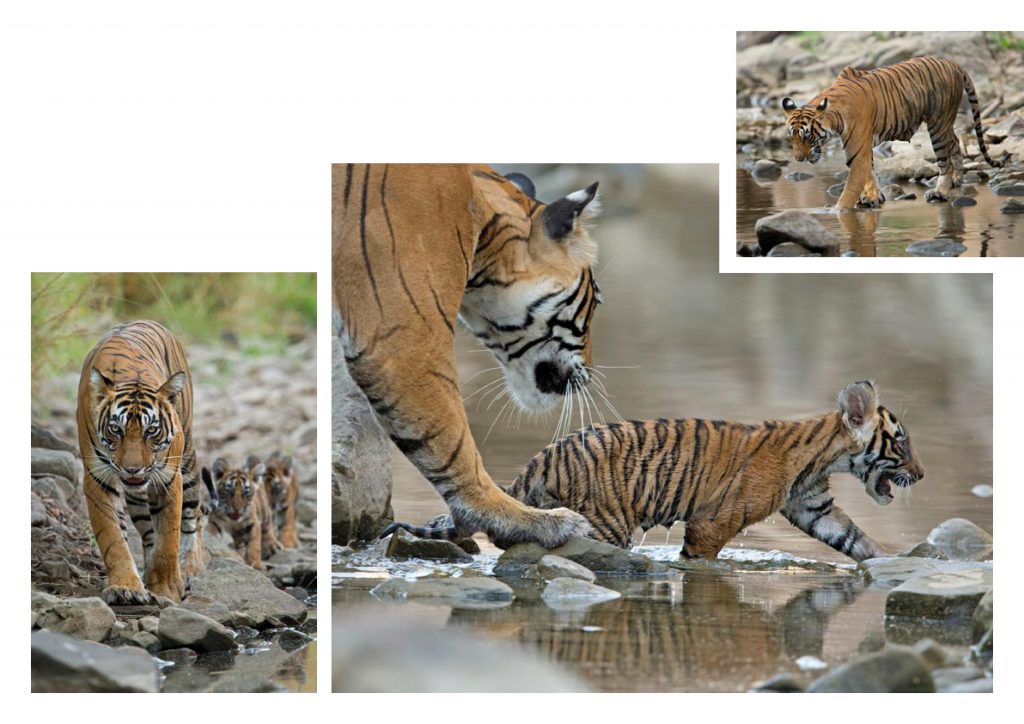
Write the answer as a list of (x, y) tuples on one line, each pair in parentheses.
[(417, 246), (135, 436), (283, 495), (865, 108), (720, 477), (242, 508)]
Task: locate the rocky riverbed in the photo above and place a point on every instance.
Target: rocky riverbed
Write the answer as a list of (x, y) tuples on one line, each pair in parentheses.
[(237, 629), (589, 616), (784, 206)]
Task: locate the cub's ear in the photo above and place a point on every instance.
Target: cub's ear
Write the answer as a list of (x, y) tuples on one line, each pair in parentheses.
[(259, 471), (823, 105), (102, 386), (524, 184), (250, 461), (859, 404), (286, 465), (788, 105), (173, 386), (220, 466), (560, 217)]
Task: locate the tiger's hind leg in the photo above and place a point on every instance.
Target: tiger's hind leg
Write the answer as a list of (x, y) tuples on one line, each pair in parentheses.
[(948, 157), (704, 539)]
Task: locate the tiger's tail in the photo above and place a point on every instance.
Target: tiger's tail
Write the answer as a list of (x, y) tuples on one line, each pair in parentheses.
[(972, 97), (446, 532)]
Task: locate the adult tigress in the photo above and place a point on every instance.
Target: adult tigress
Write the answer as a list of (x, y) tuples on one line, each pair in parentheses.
[(719, 477), (417, 246), (135, 435), (866, 107)]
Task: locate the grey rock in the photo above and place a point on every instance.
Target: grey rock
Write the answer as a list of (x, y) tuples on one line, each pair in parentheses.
[(789, 248), (550, 567), (576, 593), (39, 514), (461, 592), (248, 594), (779, 684), (146, 640), (210, 608), (61, 663), (766, 169), (835, 190), (892, 670), (893, 571), (796, 226), (179, 657), (961, 540), (601, 558), (981, 621), (1013, 206), (944, 595), (968, 190), (149, 624), (84, 618), (1010, 189), (404, 545), (360, 462), (892, 191), (964, 201), (909, 196), (799, 176), (936, 247), (56, 487), (44, 437), (1012, 125), (973, 177), (925, 549), (749, 148), (54, 462), (181, 627), (850, 252)]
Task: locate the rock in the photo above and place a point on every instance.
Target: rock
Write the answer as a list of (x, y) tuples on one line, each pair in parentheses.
[(83, 618), (789, 248), (462, 592), (766, 169), (893, 670), (925, 550), (892, 191), (939, 596), (403, 545), (370, 654), (972, 177), (961, 540), (149, 624), (39, 514), (850, 252), (43, 437), (360, 463), (779, 684), (1012, 125), (181, 627), (982, 491), (601, 558), (469, 545), (54, 462), (179, 657), (936, 247), (55, 486), (1013, 206), (795, 226), (909, 196), (1010, 189), (576, 593), (835, 190), (799, 176), (743, 249), (549, 567), (61, 663), (968, 191), (249, 595), (893, 571), (964, 201), (146, 640), (981, 621), (208, 607), (749, 148), (982, 685)]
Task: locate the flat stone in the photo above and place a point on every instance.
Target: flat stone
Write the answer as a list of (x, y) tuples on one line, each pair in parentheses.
[(961, 540), (247, 594), (893, 571), (403, 545), (54, 462), (61, 663), (1013, 206), (576, 593), (464, 591), (964, 201), (1010, 189), (84, 618), (941, 595), (550, 567), (39, 514), (789, 248), (180, 627), (601, 558), (893, 670), (796, 226), (936, 247)]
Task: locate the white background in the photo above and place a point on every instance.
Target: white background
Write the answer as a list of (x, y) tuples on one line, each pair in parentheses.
[(198, 136)]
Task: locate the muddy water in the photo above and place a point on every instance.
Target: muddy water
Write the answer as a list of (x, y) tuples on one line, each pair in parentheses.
[(884, 232), (678, 339)]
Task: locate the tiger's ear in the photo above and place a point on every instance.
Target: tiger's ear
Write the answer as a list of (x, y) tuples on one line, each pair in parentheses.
[(250, 461), (823, 105), (220, 466), (286, 465), (523, 183), (173, 386), (788, 105), (859, 404), (101, 386), (561, 217)]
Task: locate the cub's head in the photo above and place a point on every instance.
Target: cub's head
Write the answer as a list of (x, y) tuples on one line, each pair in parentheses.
[(135, 425), (277, 476), (881, 453), (805, 128), (531, 294), (231, 489)]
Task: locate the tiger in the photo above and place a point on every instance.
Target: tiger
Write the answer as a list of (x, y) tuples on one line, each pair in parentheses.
[(134, 419), (867, 107), (242, 508), (720, 477), (418, 247), (283, 495)]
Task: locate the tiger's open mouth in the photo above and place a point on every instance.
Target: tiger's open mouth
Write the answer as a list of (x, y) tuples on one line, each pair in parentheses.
[(882, 490), (133, 480)]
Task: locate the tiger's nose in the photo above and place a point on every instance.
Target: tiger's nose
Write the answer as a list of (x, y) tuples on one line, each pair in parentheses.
[(132, 470)]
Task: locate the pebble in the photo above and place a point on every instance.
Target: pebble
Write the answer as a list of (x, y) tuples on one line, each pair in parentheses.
[(982, 491), (799, 176), (936, 247), (1013, 206), (766, 169), (964, 201)]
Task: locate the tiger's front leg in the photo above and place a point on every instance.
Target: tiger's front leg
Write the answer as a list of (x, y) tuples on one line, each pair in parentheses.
[(861, 187), (872, 198), (124, 586), (163, 572), (819, 517)]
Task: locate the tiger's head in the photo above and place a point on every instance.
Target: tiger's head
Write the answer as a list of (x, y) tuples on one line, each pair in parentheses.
[(881, 454), (806, 129), (277, 474), (532, 294), (135, 425), (231, 489)]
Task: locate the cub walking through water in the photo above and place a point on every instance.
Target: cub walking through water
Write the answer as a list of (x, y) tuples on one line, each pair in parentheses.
[(720, 477)]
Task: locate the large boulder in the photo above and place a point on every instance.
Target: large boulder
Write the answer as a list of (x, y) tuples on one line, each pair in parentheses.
[(180, 627), (961, 540), (249, 595), (44, 437), (55, 462), (360, 460), (64, 664), (84, 618), (796, 226), (891, 670), (892, 571), (599, 557), (940, 596)]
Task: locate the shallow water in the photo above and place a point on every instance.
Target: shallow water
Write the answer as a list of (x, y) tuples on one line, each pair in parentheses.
[(678, 339), (882, 232)]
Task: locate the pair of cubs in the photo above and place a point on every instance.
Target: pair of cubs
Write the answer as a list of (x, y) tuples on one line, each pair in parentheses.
[(255, 503)]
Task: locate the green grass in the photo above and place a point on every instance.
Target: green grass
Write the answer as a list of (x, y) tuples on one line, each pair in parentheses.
[(810, 39), (261, 313), (1006, 40)]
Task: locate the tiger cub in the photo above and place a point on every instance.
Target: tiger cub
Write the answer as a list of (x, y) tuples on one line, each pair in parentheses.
[(283, 493), (720, 477), (241, 507)]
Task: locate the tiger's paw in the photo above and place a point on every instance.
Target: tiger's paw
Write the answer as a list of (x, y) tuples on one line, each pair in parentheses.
[(127, 596), (272, 548), (934, 196), (290, 540), (172, 586), (871, 202), (560, 525)]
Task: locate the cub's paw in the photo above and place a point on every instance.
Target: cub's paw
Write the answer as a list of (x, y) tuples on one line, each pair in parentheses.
[(272, 548), (125, 596), (934, 196), (871, 202)]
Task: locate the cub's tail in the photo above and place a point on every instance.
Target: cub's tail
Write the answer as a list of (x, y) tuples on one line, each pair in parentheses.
[(972, 98)]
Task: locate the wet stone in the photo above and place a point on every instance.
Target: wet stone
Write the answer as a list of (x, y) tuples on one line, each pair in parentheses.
[(575, 593), (468, 592), (936, 247), (909, 196), (766, 169), (179, 657), (790, 248), (961, 540), (796, 226), (893, 571), (1013, 206), (964, 201), (941, 595), (799, 176), (601, 558), (968, 190), (84, 618), (850, 252), (181, 627), (894, 670), (925, 550), (835, 190), (61, 663), (981, 621), (1012, 188), (972, 177), (404, 545), (551, 567)]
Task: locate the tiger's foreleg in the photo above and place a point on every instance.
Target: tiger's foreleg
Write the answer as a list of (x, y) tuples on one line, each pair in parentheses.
[(270, 543), (289, 538), (191, 554), (163, 572), (861, 189), (124, 585), (948, 157), (819, 517)]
